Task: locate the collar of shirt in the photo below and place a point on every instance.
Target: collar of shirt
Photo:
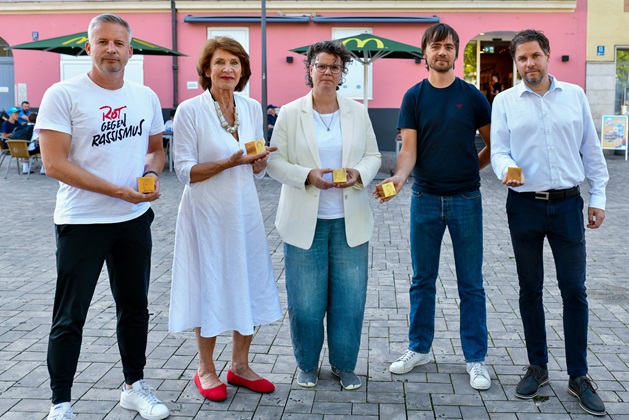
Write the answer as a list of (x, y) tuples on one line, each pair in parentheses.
[(554, 84)]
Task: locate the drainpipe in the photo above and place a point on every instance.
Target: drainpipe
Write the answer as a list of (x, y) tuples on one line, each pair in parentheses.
[(173, 16), (265, 130)]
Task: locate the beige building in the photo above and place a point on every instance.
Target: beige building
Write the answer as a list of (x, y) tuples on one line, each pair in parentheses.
[(607, 54)]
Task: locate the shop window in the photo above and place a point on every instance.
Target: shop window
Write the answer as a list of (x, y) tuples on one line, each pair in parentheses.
[(470, 61), (5, 51), (622, 81)]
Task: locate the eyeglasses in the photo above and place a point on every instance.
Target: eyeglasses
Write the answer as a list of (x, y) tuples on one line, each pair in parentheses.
[(321, 68)]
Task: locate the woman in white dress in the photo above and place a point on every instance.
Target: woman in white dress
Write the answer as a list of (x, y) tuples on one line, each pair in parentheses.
[(222, 272)]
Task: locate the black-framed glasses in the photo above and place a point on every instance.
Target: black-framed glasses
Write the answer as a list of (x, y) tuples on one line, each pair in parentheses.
[(334, 68)]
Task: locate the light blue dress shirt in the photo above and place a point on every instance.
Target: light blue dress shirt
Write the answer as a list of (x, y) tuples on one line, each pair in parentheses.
[(551, 137)]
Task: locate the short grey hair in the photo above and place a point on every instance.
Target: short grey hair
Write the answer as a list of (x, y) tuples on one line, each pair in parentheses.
[(107, 17)]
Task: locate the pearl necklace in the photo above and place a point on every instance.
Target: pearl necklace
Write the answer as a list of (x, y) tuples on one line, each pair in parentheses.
[(229, 128)]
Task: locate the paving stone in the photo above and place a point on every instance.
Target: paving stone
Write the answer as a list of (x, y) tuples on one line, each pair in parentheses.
[(437, 390)]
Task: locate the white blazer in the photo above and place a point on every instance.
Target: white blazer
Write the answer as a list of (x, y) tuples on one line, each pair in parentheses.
[(297, 154)]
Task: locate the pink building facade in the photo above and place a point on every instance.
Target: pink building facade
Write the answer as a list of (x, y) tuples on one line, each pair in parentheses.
[(484, 32)]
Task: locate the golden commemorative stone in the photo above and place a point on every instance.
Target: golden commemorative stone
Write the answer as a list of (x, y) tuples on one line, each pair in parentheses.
[(255, 147), (339, 175), (514, 173), (386, 190), (146, 184)]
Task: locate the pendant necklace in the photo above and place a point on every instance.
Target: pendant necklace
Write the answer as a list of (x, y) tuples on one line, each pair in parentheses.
[(231, 129), (327, 126)]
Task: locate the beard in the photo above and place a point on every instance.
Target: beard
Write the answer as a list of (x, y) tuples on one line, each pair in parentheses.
[(442, 67), (534, 81)]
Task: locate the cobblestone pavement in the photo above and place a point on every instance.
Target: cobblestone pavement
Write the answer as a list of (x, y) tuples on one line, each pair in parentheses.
[(441, 389)]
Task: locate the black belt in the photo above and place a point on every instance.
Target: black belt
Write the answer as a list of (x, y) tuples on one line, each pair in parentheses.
[(552, 195)]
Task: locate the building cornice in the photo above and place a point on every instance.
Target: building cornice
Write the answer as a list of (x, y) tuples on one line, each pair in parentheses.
[(290, 6)]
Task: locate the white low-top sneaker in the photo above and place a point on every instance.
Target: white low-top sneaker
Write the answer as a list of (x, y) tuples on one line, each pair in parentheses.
[(62, 411), (408, 361), (142, 400), (479, 377)]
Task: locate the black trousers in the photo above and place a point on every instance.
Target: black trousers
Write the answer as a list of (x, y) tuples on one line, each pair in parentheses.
[(81, 252)]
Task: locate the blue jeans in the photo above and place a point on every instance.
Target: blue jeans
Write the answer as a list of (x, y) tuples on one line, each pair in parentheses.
[(560, 221), (463, 216), (331, 278)]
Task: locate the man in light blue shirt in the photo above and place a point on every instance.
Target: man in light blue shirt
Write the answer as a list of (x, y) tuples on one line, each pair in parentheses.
[(545, 127)]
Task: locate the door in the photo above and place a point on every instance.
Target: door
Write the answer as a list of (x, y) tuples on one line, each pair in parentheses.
[(7, 82), (239, 34)]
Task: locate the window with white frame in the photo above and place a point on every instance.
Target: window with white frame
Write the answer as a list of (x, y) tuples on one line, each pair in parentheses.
[(622, 81), (73, 66), (355, 78), (239, 34)]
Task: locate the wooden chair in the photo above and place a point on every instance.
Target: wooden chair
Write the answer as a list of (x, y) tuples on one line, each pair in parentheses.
[(4, 151), (19, 150)]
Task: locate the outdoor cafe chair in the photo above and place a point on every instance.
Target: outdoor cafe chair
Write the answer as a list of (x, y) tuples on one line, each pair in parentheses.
[(4, 151), (19, 150)]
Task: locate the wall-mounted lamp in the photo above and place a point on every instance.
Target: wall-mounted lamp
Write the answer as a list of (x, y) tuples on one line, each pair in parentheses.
[(289, 59), (418, 60), (565, 58)]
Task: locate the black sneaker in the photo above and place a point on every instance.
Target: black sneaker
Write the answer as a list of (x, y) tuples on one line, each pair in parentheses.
[(584, 389), (534, 378)]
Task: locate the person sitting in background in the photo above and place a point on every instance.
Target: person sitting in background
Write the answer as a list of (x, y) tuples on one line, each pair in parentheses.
[(168, 125), (24, 112), (271, 117), (27, 132), (7, 127)]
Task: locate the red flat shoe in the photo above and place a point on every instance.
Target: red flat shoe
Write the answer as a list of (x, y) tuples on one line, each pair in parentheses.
[(218, 393), (260, 385)]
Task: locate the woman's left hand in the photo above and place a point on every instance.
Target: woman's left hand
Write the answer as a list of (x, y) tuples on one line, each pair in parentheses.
[(258, 165), (353, 176)]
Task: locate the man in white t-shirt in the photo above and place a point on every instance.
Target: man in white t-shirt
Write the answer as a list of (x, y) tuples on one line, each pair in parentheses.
[(98, 133)]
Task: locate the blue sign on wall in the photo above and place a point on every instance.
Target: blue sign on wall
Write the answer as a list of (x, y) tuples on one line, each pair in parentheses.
[(35, 36), (600, 50)]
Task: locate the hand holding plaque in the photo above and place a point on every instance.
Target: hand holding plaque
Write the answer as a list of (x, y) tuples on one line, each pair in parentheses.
[(386, 190), (146, 184), (339, 175), (514, 173), (255, 147)]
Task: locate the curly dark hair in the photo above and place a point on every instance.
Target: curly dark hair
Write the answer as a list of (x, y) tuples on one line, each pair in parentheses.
[(227, 44), (529, 35), (335, 48)]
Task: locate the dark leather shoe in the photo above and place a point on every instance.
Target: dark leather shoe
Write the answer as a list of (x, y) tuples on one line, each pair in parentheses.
[(584, 389), (534, 378)]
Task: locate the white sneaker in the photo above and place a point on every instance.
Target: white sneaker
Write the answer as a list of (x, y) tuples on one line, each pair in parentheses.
[(479, 377), (62, 411), (408, 361), (142, 400)]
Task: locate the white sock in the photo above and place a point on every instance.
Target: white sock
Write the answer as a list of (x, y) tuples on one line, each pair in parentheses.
[(25, 167)]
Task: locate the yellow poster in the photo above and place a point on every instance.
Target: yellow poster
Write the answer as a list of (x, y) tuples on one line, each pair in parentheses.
[(614, 132)]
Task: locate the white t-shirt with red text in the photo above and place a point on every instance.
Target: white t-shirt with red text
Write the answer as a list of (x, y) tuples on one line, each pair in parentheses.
[(110, 131)]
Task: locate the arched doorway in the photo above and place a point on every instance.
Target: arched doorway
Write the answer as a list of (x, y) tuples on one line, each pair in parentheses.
[(7, 78), (488, 54)]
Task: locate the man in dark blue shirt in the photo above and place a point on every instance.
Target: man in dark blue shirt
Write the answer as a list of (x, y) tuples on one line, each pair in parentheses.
[(7, 127), (438, 120)]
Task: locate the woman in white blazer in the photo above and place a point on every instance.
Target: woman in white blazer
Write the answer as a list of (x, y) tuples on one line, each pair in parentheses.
[(325, 225)]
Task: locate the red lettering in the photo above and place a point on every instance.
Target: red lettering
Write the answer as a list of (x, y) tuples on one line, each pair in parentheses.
[(111, 113)]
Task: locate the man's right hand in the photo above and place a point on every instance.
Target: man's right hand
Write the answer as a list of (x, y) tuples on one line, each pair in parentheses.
[(127, 193), (397, 182), (512, 182)]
